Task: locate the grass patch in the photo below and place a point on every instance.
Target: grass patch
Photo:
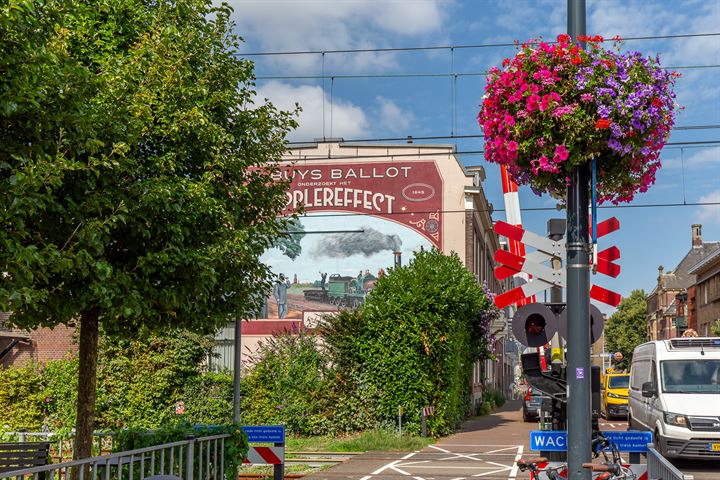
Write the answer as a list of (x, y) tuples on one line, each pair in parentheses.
[(382, 440)]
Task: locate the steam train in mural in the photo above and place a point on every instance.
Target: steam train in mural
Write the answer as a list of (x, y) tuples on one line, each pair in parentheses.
[(341, 291)]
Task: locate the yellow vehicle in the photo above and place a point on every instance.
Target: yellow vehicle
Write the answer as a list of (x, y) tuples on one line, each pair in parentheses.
[(614, 402)]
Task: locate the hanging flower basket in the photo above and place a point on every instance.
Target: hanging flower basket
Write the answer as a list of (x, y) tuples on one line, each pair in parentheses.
[(554, 107)]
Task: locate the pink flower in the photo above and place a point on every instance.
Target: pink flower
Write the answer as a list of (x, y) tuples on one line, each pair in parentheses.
[(512, 146), (509, 120), (532, 103), (561, 154)]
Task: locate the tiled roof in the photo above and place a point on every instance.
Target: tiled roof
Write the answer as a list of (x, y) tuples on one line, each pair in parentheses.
[(705, 261), (681, 278)]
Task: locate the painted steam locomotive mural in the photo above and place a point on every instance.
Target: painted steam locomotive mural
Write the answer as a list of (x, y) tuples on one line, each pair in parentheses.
[(341, 291)]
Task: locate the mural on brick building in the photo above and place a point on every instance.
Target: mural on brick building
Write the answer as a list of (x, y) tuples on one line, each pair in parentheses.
[(359, 218)]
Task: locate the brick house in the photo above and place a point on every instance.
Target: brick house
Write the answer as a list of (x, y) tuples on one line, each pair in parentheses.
[(672, 304), (19, 347), (707, 292)]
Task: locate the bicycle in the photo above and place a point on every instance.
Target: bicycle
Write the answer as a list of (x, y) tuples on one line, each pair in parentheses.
[(611, 469), (531, 464)]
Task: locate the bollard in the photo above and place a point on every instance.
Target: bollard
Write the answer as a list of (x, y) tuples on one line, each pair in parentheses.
[(424, 422), (21, 435)]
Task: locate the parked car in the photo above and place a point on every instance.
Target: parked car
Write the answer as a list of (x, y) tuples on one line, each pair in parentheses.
[(675, 394), (614, 401), (532, 404)]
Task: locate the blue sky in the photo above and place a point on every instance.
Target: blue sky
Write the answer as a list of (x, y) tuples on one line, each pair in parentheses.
[(431, 105)]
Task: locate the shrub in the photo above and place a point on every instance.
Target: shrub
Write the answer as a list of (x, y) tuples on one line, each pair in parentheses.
[(414, 341)]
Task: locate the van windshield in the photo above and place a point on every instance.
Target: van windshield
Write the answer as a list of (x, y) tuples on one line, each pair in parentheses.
[(620, 381), (690, 376)]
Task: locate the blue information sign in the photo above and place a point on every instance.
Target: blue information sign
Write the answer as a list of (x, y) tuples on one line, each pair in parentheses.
[(630, 441), (556, 440), (265, 433)]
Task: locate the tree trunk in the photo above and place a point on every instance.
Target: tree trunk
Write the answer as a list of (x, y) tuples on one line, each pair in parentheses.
[(87, 380)]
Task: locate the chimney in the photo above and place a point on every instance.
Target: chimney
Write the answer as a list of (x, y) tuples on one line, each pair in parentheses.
[(697, 235), (398, 259), (661, 269)]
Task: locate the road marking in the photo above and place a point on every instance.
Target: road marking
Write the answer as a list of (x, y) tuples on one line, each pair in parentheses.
[(514, 470), (393, 466)]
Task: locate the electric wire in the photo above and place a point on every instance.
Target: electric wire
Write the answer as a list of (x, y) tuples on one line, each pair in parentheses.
[(469, 136), (494, 210), (447, 47), (447, 151), (428, 75)]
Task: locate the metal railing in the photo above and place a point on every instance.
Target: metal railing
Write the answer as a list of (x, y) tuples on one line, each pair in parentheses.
[(660, 468), (193, 459), (61, 444)]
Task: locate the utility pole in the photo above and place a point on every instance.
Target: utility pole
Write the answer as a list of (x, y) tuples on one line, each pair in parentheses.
[(578, 298)]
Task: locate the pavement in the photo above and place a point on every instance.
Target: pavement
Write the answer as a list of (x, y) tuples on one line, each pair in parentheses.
[(484, 447)]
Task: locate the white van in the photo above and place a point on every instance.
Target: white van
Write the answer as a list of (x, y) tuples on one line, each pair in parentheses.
[(675, 393)]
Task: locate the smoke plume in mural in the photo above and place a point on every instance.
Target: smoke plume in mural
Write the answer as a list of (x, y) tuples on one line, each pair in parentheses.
[(366, 243)]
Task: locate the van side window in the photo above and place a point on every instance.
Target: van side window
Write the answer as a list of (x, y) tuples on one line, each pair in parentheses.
[(640, 374)]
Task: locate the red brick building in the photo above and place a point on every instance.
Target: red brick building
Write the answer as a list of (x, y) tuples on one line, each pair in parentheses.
[(19, 347), (673, 305)]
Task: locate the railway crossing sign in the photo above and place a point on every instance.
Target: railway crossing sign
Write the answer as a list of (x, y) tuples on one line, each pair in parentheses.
[(544, 277)]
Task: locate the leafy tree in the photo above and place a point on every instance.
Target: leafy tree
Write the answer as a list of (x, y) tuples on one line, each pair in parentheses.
[(627, 327), (136, 184)]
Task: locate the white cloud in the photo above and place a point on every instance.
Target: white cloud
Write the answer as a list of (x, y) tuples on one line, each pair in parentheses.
[(709, 214), (282, 25), (392, 117), (342, 119)]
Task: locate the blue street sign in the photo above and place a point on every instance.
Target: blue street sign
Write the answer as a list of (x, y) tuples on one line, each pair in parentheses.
[(548, 440), (265, 433), (556, 440)]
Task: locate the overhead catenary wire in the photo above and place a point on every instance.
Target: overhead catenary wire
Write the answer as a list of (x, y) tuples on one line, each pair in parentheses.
[(427, 75), (457, 47), (458, 137), (447, 152), (495, 210)]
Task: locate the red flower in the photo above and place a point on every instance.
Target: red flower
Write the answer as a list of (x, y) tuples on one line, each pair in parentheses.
[(576, 60), (563, 39), (617, 38), (602, 124), (506, 62), (656, 102)]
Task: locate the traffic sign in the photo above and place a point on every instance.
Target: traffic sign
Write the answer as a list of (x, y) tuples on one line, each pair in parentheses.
[(556, 440), (548, 440), (632, 441), (265, 433)]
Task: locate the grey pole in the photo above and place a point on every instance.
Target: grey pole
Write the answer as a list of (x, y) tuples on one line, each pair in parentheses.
[(237, 365), (578, 299)]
